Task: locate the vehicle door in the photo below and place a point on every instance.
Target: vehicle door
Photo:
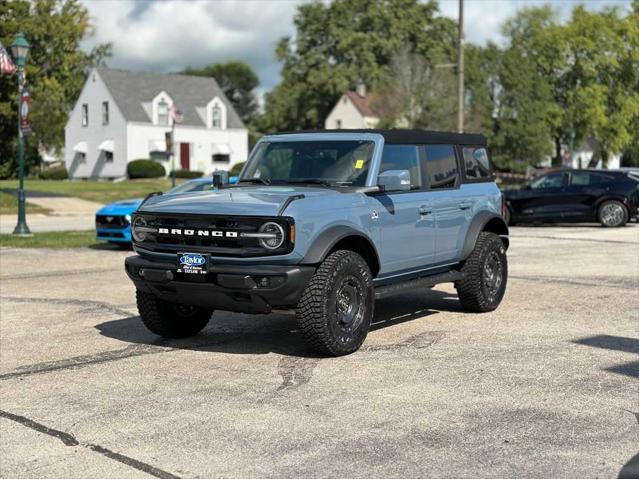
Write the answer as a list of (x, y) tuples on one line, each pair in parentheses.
[(451, 207), (406, 222), (545, 198), (582, 193)]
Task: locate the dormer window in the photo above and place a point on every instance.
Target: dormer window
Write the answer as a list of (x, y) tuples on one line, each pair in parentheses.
[(216, 114), (163, 113), (216, 117)]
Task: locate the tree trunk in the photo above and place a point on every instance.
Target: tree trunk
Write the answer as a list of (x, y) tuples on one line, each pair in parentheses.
[(557, 159)]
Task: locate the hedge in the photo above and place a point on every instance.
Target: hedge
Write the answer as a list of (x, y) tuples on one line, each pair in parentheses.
[(145, 169), (236, 168), (188, 174), (54, 173)]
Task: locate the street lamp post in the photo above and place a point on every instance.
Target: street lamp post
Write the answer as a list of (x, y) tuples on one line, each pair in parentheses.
[(20, 50)]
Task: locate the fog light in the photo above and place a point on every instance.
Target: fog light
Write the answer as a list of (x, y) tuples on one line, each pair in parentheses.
[(263, 282)]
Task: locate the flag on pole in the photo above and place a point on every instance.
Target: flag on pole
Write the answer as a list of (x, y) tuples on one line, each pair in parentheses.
[(176, 114), (6, 65)]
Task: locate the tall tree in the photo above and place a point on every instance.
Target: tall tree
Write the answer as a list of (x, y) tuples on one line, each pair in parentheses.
[(341, 43), (238, 81), (55, 72)]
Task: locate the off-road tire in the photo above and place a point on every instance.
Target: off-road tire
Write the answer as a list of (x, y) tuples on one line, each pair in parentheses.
[(620, 218), (171, 320), (477, 293), (324, 318)]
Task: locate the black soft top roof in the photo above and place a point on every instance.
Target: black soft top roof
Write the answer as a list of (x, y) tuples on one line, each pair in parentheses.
[(400, 137)]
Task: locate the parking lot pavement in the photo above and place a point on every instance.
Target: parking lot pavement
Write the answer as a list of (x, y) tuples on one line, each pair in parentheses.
[(546, 386)]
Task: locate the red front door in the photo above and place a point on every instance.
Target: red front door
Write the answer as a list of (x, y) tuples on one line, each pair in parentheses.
[(184, 156)]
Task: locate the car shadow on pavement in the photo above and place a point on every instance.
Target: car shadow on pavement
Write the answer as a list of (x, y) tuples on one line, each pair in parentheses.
[(234, 333), (615, 343)]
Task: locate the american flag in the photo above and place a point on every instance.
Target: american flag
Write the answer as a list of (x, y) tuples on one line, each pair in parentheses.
[(6, 65), (176, 114)]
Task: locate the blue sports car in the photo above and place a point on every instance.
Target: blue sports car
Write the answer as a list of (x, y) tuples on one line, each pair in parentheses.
[(113, 221)]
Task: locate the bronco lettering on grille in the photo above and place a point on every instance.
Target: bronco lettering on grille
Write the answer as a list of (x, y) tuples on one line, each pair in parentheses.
[(185, 232)]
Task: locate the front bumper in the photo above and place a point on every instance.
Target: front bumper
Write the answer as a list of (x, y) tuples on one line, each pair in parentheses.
[(120, 235), (226, 287)]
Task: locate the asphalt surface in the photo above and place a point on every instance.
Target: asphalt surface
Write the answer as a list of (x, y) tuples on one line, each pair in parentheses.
[(546, 386)]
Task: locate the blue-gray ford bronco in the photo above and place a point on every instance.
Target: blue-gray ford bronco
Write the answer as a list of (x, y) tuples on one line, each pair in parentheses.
[(325, 223)]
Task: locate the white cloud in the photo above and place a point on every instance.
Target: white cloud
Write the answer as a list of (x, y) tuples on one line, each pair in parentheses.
[(170, 35)]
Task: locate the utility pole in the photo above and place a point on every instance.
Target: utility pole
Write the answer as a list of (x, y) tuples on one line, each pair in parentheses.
[(460, 70)]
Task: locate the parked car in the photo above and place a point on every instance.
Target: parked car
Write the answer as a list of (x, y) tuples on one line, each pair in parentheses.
[(606, 196), (113, 221), (325, 223)]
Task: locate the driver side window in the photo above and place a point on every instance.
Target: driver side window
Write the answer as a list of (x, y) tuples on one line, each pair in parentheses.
[(403, 157), (553, 180)]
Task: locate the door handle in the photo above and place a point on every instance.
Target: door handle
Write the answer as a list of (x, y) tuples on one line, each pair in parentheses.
[(425, 210), (465, 205)]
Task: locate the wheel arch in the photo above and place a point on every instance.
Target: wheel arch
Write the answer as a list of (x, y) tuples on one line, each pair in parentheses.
[(485, 221), (343, 237)]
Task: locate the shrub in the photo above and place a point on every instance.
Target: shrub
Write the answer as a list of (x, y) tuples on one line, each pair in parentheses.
[(188, 174), (145, 169), (237, 167), (54, 173)]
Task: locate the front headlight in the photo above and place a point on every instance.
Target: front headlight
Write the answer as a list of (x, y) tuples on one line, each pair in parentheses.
[(127, 218), (139, 228), (273, 235)]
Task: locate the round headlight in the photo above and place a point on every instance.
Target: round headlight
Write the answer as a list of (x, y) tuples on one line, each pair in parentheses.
[(275, 238), (138, 228)]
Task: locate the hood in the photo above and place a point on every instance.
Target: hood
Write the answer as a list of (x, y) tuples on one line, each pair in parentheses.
[(244, 201), (121, 207)]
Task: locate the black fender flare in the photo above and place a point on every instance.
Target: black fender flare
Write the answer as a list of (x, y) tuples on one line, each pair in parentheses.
[(481, 219), (327, 240)]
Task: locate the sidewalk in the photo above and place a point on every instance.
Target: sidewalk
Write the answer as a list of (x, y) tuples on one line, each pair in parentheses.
[(66, 214)]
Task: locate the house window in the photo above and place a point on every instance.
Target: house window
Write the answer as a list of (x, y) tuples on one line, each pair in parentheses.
[(108, 157), (338, 124), (85, 114), (216, 117), (105, 112), (81, 157), (163, 113), (220, 158)]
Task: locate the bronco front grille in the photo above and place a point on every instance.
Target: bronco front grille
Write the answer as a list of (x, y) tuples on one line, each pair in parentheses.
[(182, 233)]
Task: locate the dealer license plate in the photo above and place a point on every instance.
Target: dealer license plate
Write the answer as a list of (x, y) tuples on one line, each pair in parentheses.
[(192, 263)]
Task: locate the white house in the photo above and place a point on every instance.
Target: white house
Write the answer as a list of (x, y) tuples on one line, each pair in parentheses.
[(122, 116), (354, 110)]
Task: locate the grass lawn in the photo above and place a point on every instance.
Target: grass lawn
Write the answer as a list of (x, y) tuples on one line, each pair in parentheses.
[(99, 191), (9, 205), (58, 239)]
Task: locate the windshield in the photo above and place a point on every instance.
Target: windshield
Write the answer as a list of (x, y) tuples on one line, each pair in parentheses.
[(191, 186), (326, 162)]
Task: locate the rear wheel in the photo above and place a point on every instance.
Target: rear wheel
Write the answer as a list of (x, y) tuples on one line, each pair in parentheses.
[(337, 307), (613, 214), (485, 274), (171, 320)]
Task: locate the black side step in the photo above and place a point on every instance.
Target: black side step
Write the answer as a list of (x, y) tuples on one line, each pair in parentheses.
[(423, 282)]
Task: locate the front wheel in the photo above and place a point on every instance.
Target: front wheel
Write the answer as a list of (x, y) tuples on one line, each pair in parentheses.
[(485, 274), (612, 214), (171, 320), (337, 306)]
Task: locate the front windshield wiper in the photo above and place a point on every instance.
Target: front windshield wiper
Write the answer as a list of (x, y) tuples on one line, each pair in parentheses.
[(255, 180), (311, 181)]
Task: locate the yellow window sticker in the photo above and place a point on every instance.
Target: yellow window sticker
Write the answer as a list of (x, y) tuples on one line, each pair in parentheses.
[(359, 164)]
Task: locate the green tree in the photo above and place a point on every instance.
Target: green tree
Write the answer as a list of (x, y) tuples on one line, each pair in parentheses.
[(341, 43), (55, 72), (238, 82)]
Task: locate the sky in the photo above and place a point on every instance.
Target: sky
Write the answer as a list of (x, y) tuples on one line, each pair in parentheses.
[(169, 35)]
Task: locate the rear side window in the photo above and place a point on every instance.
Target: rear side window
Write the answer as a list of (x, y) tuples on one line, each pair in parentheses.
[(403, 157), (587, 179), (476, 164), (441, 166)]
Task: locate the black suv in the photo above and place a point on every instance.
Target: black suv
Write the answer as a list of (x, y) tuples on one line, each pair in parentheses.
[(606, 196)]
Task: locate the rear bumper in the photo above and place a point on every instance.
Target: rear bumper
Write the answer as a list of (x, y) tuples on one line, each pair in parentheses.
[(224, 287)]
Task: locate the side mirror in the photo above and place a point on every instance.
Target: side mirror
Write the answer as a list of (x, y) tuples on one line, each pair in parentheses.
[(394, 180), (220, 179)]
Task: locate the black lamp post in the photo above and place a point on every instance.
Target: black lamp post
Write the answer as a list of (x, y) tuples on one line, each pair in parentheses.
[(20, 50)]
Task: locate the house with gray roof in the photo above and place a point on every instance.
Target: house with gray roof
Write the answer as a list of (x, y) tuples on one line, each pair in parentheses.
[(122, 116)]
